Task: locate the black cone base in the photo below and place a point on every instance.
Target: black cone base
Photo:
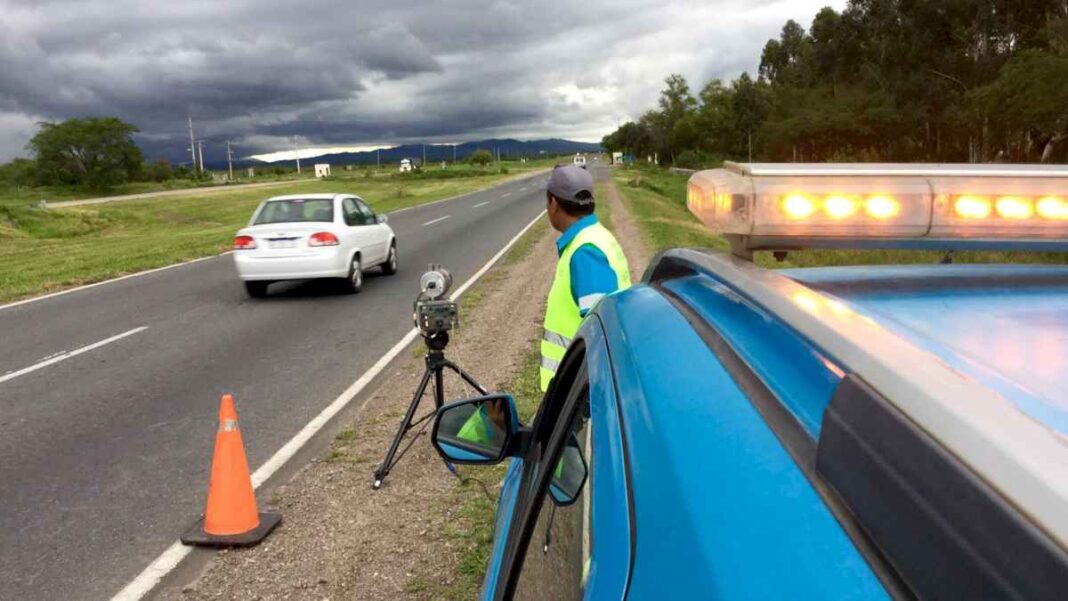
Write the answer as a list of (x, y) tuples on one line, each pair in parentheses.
[(196, 535)]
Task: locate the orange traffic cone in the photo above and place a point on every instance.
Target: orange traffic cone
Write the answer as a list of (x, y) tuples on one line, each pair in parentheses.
[(230, 518)]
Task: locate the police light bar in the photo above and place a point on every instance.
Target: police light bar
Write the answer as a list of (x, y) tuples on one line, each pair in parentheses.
[(763, 206)]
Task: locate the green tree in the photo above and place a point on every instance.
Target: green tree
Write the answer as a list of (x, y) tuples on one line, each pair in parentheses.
[(481, 157), (159, 170), (19, 173), (95, 152)]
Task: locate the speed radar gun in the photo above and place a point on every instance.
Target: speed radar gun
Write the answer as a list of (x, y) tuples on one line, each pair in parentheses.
[(435, 315)]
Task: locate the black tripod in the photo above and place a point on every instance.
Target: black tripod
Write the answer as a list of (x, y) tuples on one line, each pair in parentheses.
[(436, 363)]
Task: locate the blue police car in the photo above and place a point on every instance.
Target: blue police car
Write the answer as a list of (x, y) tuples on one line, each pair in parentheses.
[(723, 431)]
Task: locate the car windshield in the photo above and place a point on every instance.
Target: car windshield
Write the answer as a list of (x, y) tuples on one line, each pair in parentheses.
[(298, 209)]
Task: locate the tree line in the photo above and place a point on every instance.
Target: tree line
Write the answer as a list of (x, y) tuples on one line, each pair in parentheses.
[(884, 80), (95, 153)]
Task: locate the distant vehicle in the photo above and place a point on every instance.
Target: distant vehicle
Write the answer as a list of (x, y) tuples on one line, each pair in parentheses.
[(862, 432), (405, 165), (312, 236), (580, 160), (617, 158)]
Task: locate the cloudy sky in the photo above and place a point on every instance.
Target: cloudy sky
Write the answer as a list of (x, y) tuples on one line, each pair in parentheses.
[(364, 72)]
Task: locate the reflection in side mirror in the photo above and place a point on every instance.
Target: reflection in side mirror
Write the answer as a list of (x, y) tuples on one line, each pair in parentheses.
[(570, 474), (475, 431)]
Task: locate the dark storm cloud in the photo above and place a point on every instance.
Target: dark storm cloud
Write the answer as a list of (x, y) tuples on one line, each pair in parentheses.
[(341, 72)]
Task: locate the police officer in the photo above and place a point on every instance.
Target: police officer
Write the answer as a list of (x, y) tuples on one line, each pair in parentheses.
[(591, 263)]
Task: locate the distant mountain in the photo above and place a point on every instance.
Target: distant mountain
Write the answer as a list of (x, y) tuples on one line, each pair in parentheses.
[(508, 148)]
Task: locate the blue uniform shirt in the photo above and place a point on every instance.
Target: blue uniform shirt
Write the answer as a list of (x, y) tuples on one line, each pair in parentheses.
[(591, 275)]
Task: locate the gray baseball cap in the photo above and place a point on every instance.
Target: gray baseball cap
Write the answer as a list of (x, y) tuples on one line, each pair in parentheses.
[(567, 181)]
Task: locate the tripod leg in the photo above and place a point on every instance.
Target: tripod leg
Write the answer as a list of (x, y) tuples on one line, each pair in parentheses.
[(466, 377), (387, 463)]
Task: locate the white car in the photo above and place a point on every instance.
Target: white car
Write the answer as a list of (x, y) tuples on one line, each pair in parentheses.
[(311, 236), (580, 161)]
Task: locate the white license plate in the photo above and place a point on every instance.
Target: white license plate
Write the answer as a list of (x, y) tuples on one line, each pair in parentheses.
[(282, 243)]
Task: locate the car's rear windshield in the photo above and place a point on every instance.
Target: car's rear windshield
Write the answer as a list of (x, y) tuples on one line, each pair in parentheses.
[(297, 209)]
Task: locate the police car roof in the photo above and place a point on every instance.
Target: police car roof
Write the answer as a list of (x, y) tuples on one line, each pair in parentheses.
[(1004, 326), (969, 357)]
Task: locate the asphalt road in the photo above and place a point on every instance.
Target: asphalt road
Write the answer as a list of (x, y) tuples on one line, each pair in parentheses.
[(104, 455)]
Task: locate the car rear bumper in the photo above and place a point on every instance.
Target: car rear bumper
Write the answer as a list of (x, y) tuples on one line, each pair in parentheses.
[(322, 264)]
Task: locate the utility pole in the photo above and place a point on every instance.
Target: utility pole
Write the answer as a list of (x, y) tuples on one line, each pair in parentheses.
[(424, 155), (378, 159), (296, 153), (453, 153), (192, 143), (230, 160), (200, 146)]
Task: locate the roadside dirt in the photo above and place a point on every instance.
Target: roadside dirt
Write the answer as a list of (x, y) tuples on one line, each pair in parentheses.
[(342, 540)]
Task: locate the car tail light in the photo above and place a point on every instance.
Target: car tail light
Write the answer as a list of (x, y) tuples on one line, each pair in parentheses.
[(322, 239), (244, 243)]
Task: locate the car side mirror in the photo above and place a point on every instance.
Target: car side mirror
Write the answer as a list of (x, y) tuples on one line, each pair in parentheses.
[(477, 431), (381, 219), (570, 474)]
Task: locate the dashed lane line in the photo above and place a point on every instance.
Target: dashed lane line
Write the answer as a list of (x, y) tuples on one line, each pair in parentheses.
[(439, 219), (63, 356)]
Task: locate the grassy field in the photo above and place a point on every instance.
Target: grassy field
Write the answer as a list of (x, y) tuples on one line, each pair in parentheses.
[(657, 200), (42, 250)]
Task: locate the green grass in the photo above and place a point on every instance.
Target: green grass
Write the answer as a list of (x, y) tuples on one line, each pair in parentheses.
[(471, 512), (604, 210), (49, 249), (657, 201)]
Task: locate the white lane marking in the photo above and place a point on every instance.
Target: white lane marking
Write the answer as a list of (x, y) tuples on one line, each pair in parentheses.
[(471, 193), (169, 559), (506, 194), (67, 355), (484, 203), (433, 221), (111, 281)]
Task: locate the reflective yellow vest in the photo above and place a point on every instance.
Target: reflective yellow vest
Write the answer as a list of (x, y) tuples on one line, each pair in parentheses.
[(562, 318)]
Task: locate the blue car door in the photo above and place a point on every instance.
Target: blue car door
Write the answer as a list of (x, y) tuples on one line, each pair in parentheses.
[(544, 550)]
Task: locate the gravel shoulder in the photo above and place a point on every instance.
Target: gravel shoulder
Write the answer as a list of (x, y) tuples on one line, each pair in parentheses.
[(415, 538)]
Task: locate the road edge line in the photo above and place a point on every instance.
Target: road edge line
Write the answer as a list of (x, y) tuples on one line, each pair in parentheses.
[(33, 299), (143, 583)]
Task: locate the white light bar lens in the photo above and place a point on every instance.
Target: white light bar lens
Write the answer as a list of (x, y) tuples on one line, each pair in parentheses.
[(999, 208), (882, 206)]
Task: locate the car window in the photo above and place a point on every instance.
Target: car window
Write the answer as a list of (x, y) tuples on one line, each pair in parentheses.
[(296, 210), (553, 543), (368, 214), (352, 214)]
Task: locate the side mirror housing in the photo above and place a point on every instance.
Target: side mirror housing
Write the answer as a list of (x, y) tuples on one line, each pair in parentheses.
[(381, 218), (477, 431)]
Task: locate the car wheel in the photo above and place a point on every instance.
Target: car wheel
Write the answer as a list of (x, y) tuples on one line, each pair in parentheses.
[(256, 289), (354, 282), (390, 266)]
